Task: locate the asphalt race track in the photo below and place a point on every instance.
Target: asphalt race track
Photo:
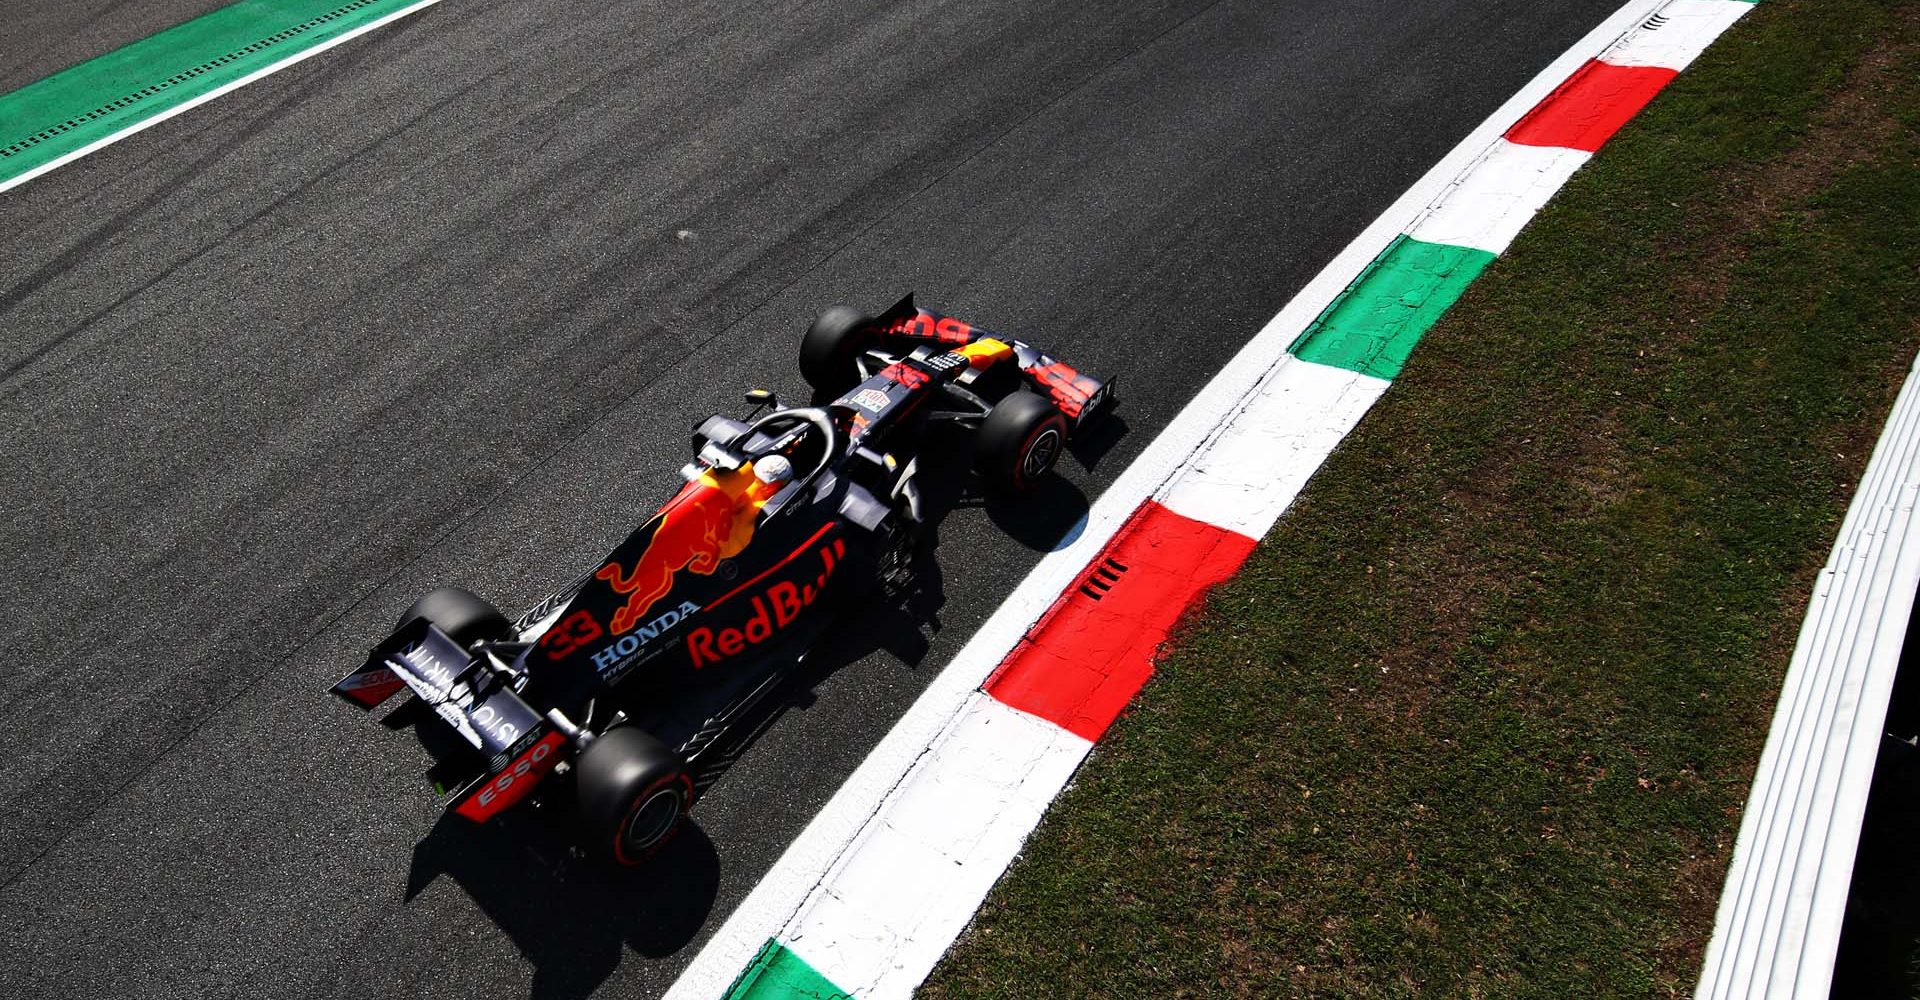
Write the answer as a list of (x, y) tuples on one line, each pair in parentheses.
[(439, 305)]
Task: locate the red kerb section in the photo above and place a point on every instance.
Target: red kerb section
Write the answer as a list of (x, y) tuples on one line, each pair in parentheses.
[(1091, 652), (1586, 110)]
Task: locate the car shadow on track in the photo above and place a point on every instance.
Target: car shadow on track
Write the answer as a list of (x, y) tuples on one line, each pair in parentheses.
[(569, 915), (1044, 519), (1094, 444)]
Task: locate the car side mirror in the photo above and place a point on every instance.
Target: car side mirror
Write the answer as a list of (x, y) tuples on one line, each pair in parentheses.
[(758, 398)]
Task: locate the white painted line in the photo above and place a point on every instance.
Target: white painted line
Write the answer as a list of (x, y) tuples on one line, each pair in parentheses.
[(147, 123), (1499, 196), (1685, 30), (785, 889), (1778, 926)]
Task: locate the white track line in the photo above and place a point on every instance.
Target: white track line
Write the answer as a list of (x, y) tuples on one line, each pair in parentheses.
[(908, 886), (1262, 458)]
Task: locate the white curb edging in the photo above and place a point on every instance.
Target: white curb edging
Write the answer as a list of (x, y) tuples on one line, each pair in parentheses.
[(1499, 196), (1777, 931), (1687, 27)]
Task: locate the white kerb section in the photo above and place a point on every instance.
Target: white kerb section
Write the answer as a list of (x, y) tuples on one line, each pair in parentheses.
[(1676, 35), (906, 888), (1778, 928), (1491, 203), (1263, 455)]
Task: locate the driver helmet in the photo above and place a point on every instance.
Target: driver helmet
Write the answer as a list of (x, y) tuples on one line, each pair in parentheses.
[(773, 471)]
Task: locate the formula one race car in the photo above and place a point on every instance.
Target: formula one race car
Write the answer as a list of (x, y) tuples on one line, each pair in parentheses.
[(611, 695)]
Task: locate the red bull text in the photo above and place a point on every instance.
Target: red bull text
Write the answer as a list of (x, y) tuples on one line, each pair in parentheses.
[(771, 610)]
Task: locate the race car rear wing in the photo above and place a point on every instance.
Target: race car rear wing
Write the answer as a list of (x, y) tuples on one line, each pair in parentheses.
[(1079, 397), (475, 699)]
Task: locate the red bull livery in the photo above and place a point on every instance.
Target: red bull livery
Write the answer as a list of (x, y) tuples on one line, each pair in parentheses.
[(623, 696)]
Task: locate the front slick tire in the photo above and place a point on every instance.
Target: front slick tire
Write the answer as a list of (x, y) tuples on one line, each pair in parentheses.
[(634, 794), (1019, 443), (833, 340)]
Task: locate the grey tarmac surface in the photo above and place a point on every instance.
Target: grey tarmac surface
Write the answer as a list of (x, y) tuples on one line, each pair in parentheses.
[(438, 306)]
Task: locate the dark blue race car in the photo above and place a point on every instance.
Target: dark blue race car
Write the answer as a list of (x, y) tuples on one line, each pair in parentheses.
[(610, 696)]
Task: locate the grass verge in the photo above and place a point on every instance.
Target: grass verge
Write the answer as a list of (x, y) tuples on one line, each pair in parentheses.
[(1479, 717)]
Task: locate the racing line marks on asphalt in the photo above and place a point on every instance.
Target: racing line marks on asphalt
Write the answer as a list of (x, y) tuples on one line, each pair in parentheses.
[(868, 898)]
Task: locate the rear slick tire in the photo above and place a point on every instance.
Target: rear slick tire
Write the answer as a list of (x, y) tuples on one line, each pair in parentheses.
[(634, 794)]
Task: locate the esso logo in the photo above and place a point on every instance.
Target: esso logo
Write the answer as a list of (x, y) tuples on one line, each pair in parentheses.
[(520, 769)]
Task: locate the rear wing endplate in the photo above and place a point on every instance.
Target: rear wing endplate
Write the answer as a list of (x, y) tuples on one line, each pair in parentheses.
[(519, 745)]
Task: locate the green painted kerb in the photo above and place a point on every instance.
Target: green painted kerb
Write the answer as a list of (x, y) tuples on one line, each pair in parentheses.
[(1373, 325), (776, 972), (45, 120)]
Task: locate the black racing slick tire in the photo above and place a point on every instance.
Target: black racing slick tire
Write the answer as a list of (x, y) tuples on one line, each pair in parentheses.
[(1019, 442), (833, 341), (463, 615), (634, 795)]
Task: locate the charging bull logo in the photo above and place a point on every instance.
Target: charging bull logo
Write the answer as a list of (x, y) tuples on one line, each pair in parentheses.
[(696, 532)]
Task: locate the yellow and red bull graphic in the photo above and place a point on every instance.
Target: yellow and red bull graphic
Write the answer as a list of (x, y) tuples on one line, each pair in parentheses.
[(693, 534), (985, 353), (709, 521)]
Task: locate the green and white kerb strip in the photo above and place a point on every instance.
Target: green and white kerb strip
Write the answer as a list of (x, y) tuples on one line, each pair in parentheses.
[(874, 891), (76, 111)]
